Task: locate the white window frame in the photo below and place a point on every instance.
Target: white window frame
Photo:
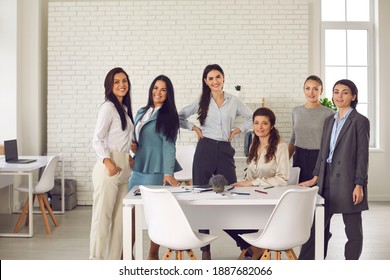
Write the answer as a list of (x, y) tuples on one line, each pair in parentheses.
[(372, 107)]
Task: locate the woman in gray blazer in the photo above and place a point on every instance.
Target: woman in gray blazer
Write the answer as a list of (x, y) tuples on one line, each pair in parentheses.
[(342, 167)]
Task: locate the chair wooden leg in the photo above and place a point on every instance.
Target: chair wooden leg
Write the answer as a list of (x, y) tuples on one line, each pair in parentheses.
[(191, 254), (266, 255), (278, 255), (47, 205), (179, 255), (167, 254), (28, 216), (242, 255), (43, 210), (21, 216), (291, 254), (256, 252)]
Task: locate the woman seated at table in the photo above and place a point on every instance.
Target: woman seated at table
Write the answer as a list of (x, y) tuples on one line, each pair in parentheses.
[(268, 165)]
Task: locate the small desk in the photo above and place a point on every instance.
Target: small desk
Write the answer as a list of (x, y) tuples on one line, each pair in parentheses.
[(208, 210), (28, 169)]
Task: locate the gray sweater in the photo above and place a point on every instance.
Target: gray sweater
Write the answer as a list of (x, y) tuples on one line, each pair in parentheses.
[(307, 126)]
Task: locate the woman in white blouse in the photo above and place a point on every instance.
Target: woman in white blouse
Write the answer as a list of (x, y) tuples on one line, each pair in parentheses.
[(111, 142), (268, 162)]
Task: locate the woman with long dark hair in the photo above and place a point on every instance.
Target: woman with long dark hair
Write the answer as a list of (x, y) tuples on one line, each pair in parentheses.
[(156, 129), (217, 112), (111, 142)]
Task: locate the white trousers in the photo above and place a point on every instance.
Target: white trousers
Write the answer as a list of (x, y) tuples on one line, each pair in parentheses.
[(109, 191)]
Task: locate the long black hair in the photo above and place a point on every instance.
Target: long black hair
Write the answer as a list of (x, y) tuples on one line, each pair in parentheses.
[(108, 85), (274, 137), (205, 97), (167, 118)]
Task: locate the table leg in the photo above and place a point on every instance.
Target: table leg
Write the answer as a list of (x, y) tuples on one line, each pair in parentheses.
[(30, 205), (319, 233), (62, 187), (127, 231), (138, 232)]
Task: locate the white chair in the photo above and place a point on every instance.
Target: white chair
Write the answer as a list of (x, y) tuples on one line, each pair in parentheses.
[(293, 178), (185, 157), (40, 188), (168, 226), (289, 224)]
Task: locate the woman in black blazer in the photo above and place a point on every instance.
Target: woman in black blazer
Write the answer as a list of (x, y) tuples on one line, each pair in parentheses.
[(341, 169)]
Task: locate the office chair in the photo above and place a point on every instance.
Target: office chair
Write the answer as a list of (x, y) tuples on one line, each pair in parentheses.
[(168, 226), (289, 224), (293, 178), (185, 157), (40, 188)]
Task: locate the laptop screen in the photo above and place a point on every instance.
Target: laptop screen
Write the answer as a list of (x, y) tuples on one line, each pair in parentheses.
[(10, 150)]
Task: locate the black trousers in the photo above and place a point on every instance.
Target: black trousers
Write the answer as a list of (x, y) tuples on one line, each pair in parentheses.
[(239, 241), (306, 160), (213, 157), (353, 229)]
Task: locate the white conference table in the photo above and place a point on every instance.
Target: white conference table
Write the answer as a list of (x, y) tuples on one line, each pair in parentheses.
[(208, 210), (8, 169)]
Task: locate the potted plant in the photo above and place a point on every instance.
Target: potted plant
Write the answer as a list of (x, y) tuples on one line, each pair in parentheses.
[(218, 182), (328, 103)]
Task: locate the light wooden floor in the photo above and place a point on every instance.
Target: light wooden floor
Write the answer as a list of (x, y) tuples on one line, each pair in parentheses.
[(70, 240)]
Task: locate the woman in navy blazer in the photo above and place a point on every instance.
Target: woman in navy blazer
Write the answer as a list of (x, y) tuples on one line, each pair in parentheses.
[(156, 128), (341, 169)]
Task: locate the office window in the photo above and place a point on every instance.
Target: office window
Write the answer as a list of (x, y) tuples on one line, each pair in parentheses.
[(347, 33)]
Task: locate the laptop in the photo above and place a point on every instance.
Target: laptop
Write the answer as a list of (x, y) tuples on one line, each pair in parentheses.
[(11, 153)]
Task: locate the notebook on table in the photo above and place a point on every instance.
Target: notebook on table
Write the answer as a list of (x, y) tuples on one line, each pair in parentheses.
[(11, 153), (202, 188)]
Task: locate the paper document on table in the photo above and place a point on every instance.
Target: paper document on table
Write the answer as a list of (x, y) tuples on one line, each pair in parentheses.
[(199, 196), (202, 188)]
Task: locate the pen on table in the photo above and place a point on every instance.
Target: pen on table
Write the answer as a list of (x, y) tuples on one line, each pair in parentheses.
[(229, 189), (270, 187), (260, 191), (240, 193)]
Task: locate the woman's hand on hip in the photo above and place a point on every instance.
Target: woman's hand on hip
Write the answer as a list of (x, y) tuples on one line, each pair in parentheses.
[(198, 132), (170, 180), (134, 146), (131, 162), (234, 133)]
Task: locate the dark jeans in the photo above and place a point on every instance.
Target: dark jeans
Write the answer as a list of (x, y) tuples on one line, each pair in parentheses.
[(239, 241), (213, 157)]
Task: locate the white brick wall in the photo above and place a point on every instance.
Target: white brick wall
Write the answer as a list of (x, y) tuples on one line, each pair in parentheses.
[(261, 45)]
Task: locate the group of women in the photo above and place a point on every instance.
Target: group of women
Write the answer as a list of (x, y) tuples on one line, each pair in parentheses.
[(330, 148)]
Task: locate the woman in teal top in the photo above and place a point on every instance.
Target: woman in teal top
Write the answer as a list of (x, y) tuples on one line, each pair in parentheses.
[(156, 128)]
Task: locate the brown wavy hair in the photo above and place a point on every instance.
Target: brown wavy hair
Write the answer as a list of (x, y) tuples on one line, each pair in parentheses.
[(274, 137)]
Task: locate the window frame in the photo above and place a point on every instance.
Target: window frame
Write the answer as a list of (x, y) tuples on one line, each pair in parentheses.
[(369, 26)]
